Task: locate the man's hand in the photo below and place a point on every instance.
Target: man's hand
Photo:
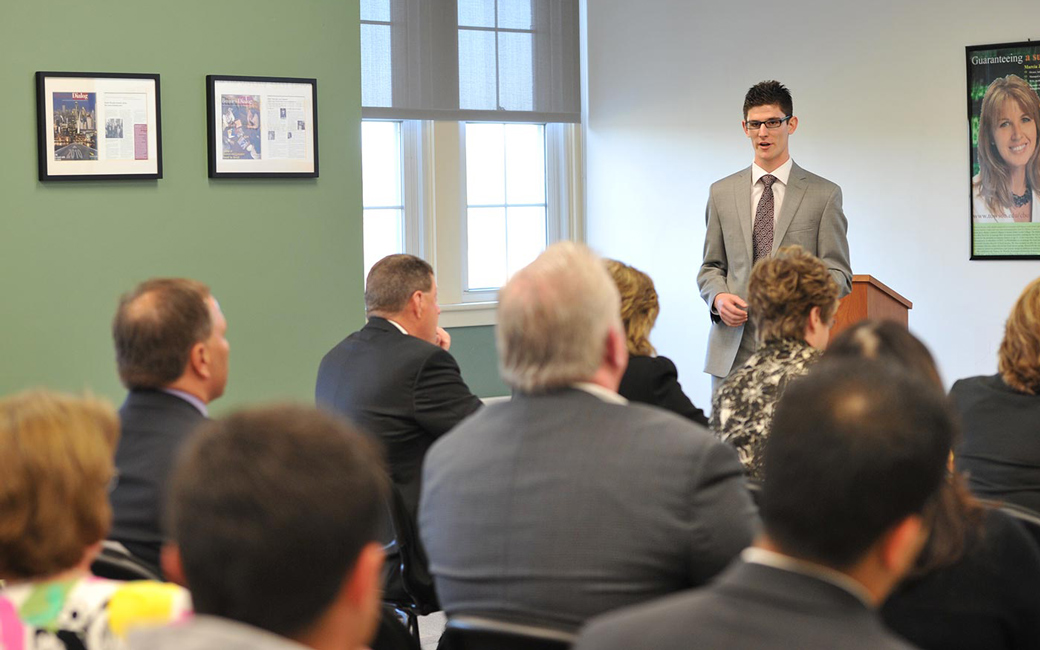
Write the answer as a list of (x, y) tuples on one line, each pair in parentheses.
[(732, 309), (444, 339)]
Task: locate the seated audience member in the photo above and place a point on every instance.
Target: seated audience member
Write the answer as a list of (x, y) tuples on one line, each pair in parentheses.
[(566, 501), (172, 355), (792, 299), (394, 377), (856, 453), (1000, 449), (273, 513), (57, 466), (976, 584), (649, 379)]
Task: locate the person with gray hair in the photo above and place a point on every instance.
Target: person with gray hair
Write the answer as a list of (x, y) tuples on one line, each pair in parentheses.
[(566, 501)]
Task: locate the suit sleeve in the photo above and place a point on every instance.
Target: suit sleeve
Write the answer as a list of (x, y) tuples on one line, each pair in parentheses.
[(711, 279), (670, 394), (725, 520), (832, 244), (441, 398)]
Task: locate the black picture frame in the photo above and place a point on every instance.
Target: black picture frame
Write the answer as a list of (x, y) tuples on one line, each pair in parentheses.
[(262, 127), (993, 237), (132, 151)]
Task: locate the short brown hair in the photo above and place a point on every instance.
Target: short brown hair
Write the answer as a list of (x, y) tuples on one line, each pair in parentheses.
[(57, 465), (393, 280), (784, 289), (156, 326), (270, 508), (1019, 356), (639, 306)]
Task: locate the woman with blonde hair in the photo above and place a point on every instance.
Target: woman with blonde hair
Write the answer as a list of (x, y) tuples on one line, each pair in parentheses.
[(649, 379), (57, 470), (976, 583), (792, 299), (1000, 450), (1007, 187)]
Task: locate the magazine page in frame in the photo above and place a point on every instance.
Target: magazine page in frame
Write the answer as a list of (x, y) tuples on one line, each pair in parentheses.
[(1004, 125), (98, 126), (262, 127)]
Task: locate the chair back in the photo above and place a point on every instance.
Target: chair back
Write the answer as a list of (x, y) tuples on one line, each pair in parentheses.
[(116, 563), (480, 633), (407, 583), (1029, 519)]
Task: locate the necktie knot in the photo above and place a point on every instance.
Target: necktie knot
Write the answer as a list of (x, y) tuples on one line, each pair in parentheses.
[(768, 180)]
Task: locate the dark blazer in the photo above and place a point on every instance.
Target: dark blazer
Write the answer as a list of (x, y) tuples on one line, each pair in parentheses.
[(555, 507), (750, 606), (1000, 444), (990, 598), (403, 390), (655, 381), (154, 426)]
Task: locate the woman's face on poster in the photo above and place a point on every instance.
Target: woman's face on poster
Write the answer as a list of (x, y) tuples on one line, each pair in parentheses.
[(1014, 134)]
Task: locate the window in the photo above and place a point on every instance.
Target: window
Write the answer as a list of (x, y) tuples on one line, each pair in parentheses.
[(478, 200)]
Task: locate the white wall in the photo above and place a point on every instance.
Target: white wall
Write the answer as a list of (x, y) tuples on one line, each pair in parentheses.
[(879, 88)]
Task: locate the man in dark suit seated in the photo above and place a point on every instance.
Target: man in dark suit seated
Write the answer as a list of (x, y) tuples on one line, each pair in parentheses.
[(273, 518), (395, 377), (566, 501), (856, 452), (172, 355)]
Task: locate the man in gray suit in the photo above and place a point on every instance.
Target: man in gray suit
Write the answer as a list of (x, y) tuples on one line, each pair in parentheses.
[(751, 214), (856, 454), (566, 501)]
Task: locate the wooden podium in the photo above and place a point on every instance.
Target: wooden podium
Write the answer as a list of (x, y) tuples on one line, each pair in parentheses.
[(870, 298)]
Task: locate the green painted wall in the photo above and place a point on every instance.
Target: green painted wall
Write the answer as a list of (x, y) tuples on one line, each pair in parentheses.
[(283, 257), (474, 349)]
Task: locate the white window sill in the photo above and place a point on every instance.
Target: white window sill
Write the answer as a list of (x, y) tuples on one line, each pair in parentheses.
[(469, 314)]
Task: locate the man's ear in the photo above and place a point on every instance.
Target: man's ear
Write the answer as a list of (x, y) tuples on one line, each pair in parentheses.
[(792, 124), (901, 544), (415, 304), (364, 583), (172, 567), (616, 351), (199, 359)]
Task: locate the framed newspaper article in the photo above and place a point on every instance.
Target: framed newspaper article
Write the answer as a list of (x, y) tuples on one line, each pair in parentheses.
[(98, 126), (1004, 155), (262, 127)]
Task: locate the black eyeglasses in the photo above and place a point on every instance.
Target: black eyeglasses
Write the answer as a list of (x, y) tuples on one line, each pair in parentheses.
[(771, 123)]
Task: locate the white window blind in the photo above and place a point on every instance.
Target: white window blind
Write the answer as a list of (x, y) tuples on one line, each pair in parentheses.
[(475, 60)]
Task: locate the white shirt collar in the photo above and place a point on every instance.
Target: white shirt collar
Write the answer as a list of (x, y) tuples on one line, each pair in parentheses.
[(398, 326), (754, 555), (782, 173), (189, 398), (600, 392)]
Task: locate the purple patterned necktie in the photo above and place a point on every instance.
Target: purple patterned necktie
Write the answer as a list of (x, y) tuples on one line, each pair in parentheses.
[(762, 236)]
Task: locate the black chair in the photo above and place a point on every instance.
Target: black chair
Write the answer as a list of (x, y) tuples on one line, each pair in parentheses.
[(1028, 518), (407, 583), (116, 563), (479, 633)]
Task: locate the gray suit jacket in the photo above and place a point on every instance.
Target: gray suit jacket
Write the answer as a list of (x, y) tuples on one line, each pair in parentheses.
[(555, 507), (810, 216), (750, 606)]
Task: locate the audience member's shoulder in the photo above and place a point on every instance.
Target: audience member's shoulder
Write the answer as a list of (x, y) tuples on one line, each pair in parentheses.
[(661, 621)]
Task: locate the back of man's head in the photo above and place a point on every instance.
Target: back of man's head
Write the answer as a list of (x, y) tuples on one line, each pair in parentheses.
[(156, 326), (270, 510), (554, 316), (855, 448), (392, 281)]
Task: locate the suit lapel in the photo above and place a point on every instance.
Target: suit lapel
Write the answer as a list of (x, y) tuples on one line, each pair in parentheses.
[(793, 194), (742, 198)]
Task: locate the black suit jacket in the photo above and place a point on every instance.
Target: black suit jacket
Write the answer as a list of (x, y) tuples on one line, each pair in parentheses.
[(154, 426), (405, 391), (655, 381), (749, 606)]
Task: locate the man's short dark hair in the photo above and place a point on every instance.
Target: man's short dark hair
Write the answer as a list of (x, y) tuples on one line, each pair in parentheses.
[(156, 326), (766, 93), (270, 509), (855, 447), (393, 280)]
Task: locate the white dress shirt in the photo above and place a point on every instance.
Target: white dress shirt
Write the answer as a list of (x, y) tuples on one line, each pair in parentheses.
[(782, 174)]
